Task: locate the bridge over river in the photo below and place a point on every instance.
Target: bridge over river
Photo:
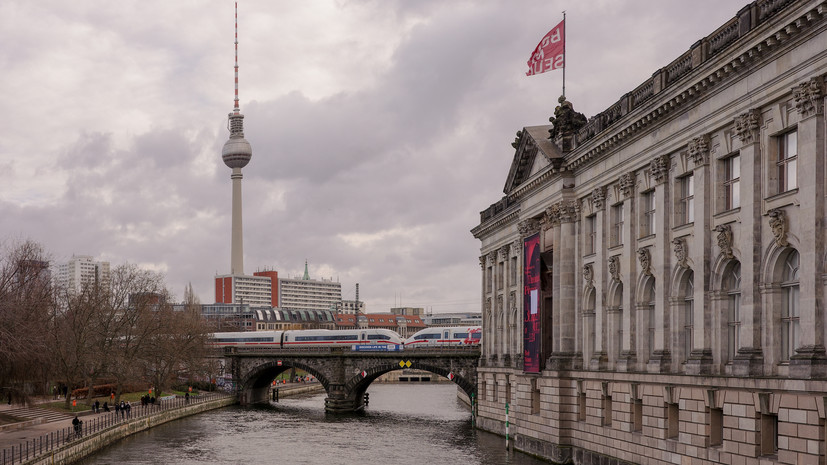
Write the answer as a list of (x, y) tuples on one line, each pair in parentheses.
[(345, 374)]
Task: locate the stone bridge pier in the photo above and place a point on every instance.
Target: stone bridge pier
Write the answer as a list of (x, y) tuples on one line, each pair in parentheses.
[(345, 375)]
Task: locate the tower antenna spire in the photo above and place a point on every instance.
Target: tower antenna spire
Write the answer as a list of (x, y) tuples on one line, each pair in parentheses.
[(236, 109)]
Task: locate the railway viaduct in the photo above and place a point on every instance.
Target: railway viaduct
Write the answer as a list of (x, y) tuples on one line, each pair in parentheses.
[(344, 374)]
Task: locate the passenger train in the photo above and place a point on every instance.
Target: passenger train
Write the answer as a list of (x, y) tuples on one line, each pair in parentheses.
[(442, 337), (309, 338), (354, 339)]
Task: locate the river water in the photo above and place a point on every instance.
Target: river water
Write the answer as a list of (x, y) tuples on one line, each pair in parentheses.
[(403, 424)]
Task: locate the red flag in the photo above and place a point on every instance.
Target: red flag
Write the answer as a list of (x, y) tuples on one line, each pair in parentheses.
[(550, 52)]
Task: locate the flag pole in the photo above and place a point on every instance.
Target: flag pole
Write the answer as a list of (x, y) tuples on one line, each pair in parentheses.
[(565, 58)]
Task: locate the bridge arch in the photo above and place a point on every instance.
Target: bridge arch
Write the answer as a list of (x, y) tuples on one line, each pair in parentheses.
[(344, 374), (255, 385), (359, 384)]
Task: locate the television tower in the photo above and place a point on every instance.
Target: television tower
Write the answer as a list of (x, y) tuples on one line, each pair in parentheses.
[(236, 154)]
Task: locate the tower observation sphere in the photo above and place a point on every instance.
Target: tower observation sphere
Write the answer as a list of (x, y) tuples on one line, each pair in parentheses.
[(237, 151)]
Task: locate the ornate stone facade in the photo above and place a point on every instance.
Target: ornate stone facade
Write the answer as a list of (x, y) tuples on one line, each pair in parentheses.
[(697, 333)]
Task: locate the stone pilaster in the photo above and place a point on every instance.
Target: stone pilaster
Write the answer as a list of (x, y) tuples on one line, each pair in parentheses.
[(661, 359), (749, 361), (565, 278), (810, 360), (626, 274), (700, 359)]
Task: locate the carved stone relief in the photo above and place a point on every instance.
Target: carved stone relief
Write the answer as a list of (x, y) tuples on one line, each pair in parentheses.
[(599, 198), (516, 248), (645, 258), (627, 184), (614, 267), (778, 224), (809, 97), (724, 239), (504, 253), (679, 246), (659, 167), (746, 126), (588, 274), (528, 227), (699, 150)]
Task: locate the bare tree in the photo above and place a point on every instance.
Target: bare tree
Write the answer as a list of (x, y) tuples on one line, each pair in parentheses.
[(25, 303), (178, 350)]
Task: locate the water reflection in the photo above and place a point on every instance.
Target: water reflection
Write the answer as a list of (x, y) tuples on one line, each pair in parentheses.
[(404, 423)]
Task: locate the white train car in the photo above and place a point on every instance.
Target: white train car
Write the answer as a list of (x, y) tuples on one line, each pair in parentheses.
[(445, 337), (341, 338), (367, 339), (247, 339)]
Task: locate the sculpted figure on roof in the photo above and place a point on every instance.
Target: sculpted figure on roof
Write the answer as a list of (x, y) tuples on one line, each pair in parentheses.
[(566, 121)]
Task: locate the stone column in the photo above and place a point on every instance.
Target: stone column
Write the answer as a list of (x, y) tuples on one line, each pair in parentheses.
[(599, 359), (750, 360), (564, 281), (485, 313), (810, 359), (700, 360), (623, 268), (516, 307), (661, 359)]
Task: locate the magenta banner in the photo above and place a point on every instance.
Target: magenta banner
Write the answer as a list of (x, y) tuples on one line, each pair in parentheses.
[(531, 304)]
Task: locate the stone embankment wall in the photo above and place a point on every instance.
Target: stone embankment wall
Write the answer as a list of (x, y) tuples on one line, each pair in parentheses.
[(83, 447)]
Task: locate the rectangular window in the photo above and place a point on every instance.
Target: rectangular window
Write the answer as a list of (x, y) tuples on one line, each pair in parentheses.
[(637, 415), (591, 234), (535, 397), (687, 200), (648, 220), (617, 225), (672, 420), (716, 426), (732, 182), (500, 275), (607, 410), (769, 434), (581, 407), (787, 161)]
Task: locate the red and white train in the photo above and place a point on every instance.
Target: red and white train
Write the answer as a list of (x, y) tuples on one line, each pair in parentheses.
[(444, 337)]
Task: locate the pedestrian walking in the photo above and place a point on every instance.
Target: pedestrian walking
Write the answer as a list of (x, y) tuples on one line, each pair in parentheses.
[(78, 425)]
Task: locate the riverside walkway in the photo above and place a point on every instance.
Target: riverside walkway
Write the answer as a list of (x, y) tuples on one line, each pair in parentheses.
[(44, 436)]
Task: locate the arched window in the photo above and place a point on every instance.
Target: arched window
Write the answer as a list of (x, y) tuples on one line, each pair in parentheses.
[(790, 325), (649, 311), (589, 323), (688, 317), (732, 287), (617, 306)]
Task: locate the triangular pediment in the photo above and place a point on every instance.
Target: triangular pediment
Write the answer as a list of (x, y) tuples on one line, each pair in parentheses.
[(533, 154)]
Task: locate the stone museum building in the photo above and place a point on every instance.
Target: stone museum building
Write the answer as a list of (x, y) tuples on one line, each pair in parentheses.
[(653, 279)]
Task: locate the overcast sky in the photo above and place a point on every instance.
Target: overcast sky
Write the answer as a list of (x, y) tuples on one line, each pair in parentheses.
[(379, 129)]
